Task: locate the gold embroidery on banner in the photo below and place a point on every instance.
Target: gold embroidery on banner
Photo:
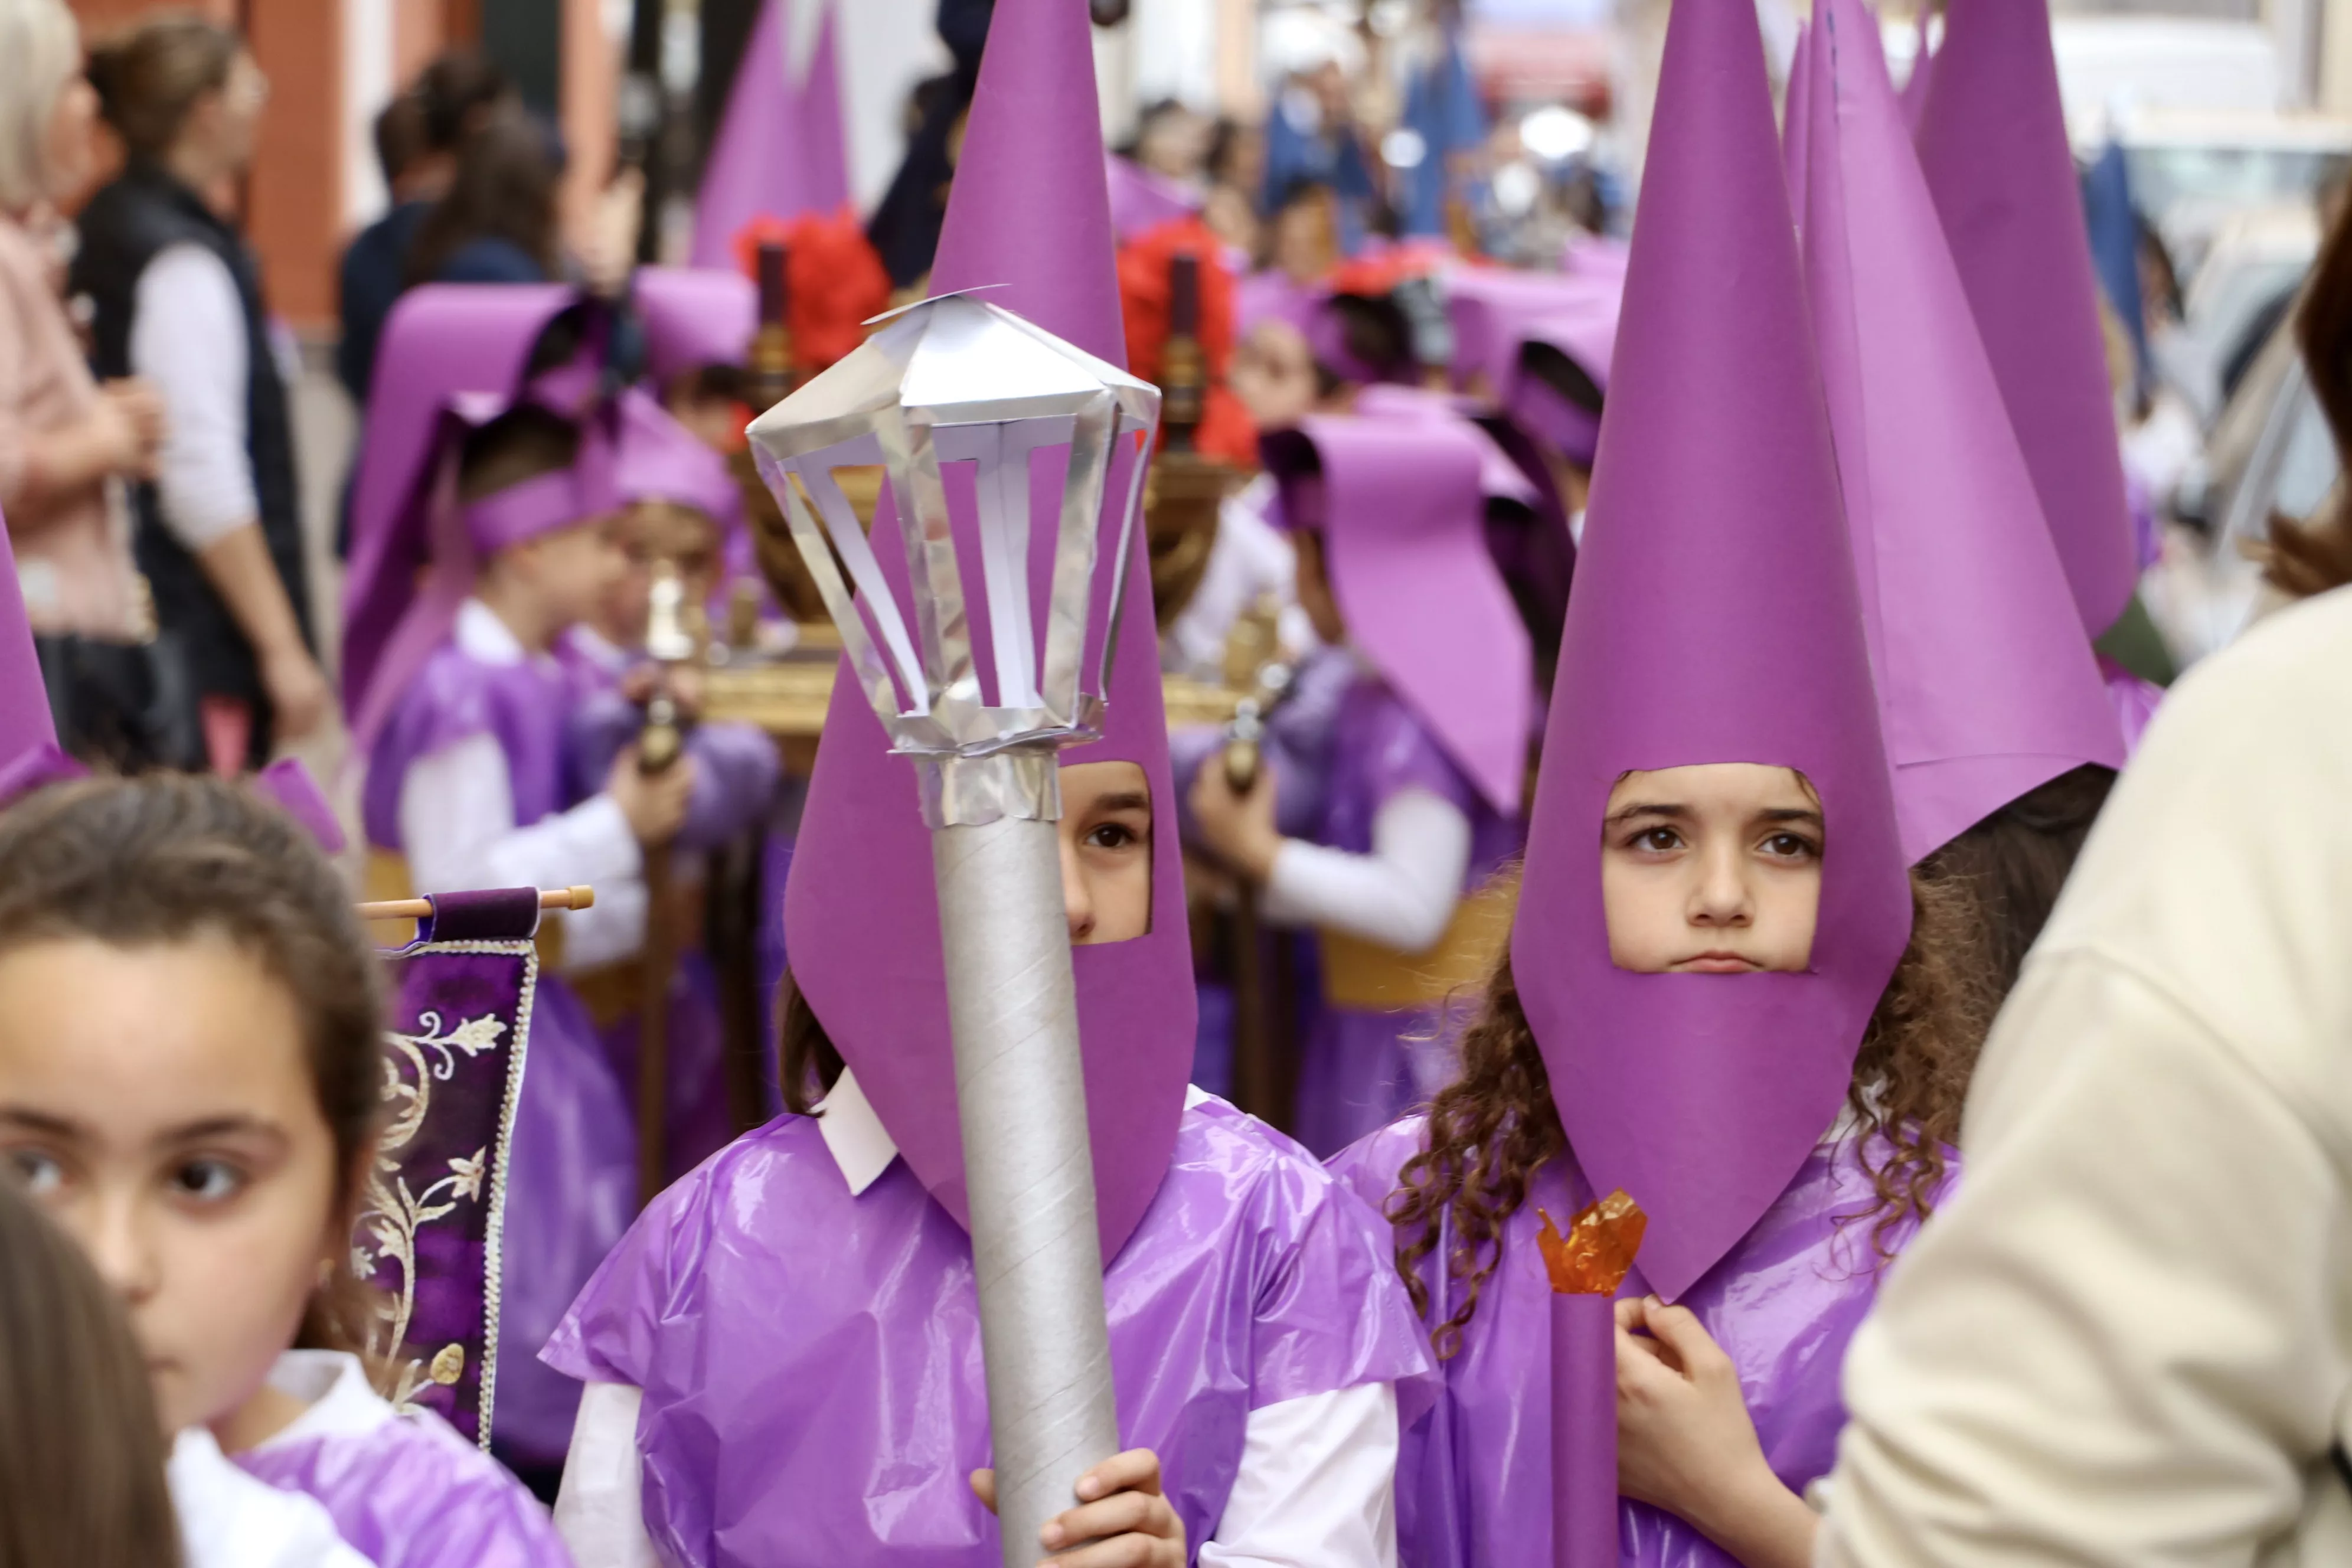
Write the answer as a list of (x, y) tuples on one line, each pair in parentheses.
[(392, 1214)]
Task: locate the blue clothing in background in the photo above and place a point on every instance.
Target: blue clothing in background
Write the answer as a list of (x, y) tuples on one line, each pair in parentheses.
[(491, 260), (374, 265)]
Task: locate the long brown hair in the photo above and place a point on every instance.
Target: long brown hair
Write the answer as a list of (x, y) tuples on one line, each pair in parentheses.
[(2014, 864), (168, 858), (1494, 1124), (82, 1449), (2314, 554), (150, 77), (504, 189)]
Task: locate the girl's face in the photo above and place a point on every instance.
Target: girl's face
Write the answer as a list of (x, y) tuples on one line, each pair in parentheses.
[(159, 1101), (1274, 375), (1715, 869), (1105, 852)]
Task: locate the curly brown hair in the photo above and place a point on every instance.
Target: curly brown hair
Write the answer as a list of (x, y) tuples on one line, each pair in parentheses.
[(1492, 1128)]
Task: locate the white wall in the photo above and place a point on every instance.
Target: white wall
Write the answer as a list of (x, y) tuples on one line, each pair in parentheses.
[(886, 47)]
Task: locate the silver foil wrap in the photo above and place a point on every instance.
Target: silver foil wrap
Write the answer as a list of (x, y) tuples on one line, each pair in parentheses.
[(1021, 1102)]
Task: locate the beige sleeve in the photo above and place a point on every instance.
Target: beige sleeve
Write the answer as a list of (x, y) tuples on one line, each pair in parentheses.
[(2120, 1344)]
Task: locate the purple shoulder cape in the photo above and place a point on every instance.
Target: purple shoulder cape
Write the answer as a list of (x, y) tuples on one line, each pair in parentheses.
[(811, 1361), (455, 696), (411, 1493), (1473, 1479)]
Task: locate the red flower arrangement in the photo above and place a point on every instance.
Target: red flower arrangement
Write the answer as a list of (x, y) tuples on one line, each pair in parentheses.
[(1225, 430), (833, 282)]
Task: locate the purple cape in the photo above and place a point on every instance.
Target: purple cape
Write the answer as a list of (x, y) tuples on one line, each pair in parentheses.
[(1474, 1481), (811, 1360), (411, 1493)]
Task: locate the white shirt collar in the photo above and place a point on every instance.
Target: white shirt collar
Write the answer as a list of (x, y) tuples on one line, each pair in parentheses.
[(861, 1147), (335, 1387), (480, 635)]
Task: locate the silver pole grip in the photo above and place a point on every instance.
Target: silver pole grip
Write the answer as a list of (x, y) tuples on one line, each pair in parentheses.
[(1028, 1168)]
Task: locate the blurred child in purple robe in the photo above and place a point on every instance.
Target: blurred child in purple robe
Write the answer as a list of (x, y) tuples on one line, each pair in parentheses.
[(190, 1061), (677, 503), (1419, 785), (470, 782)]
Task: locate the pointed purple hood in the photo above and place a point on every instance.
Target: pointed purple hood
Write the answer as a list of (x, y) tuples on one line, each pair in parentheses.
[(1992, 144), (1793, 119), (1029, 211), (693, 317), (1400, 502), (25, 726), (1715, 620), (443, 338), (778, 151), (1987, 685)]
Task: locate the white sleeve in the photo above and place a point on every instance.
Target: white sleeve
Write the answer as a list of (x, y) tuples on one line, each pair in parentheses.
[(187, 337), (600, 1510), (1317, 1487), (457, 827), (1400, 895), (229, 1519)]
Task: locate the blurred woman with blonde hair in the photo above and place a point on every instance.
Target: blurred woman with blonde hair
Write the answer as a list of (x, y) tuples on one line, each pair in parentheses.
[(64, 437)]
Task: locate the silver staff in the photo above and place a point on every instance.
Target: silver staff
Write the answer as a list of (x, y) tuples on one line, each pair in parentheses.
[(958, 380)]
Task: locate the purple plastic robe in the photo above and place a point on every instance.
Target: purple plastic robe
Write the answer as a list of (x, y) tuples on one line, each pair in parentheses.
[(811, 1361), (572, 1182), (1360, 1071), (411, 1493), (1474, 1481)]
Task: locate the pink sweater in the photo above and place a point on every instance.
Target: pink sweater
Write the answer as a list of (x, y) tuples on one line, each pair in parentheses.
[(73, 557)]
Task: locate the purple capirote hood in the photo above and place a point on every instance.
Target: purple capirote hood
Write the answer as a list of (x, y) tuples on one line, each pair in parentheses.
[(1586, 333), (1401, 508), (26, 726), (657, 459), (1029, 211), (693, 317), (1715, 620), (1987, 684), (1488, 305), (779, 151), (1992, 143), (442, 340)]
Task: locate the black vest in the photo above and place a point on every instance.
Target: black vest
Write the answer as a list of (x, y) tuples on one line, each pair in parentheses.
[(125, 225)]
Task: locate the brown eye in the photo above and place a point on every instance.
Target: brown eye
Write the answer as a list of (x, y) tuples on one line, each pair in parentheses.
[(206, 1181), (1113, 836), (1658, 841), (1789, 847)]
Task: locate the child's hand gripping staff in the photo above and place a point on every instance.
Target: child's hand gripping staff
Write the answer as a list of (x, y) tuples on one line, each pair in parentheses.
[(1587, 1265)]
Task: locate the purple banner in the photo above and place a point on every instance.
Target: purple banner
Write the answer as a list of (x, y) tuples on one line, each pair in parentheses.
[(428, 1232)]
